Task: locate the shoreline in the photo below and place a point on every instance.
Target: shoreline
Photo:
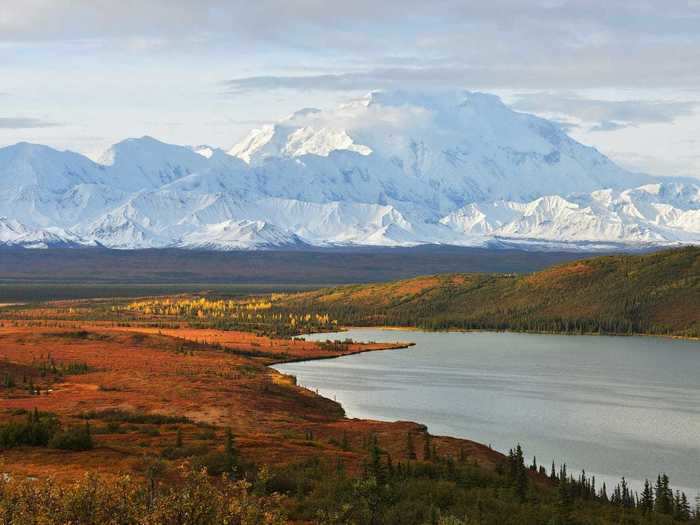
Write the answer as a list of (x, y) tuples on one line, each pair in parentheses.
[(610, 477), (390, 328), (399, 345)]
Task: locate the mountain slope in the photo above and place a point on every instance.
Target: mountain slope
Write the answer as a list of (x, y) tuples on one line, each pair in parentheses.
[(14, 233), (650, 213), (656, 293), (389, 169), (450, 148)]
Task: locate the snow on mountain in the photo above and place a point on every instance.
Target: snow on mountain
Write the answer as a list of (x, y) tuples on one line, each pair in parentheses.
[(33, 166), (392, 168), (453, 148), (293, 137), (654, 213), (337, 223), (204, 150), (246, 235), (135, 164), (43, 187), (14, 233)]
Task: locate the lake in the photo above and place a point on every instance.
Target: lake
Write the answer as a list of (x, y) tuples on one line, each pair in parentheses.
[(612, 405)]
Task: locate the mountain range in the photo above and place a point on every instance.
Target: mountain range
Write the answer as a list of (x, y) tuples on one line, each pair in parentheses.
[(388, 169)]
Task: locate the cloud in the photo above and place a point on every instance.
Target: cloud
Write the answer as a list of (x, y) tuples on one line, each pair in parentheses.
[(608, 125), (608, 115), (565, 125), (25, 123), (511, 43), (356, 81)]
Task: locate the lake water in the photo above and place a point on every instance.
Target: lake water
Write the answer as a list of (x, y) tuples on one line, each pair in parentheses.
[(612, 405)]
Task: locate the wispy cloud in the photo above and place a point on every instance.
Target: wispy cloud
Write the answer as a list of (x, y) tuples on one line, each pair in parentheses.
[(26, 123), (608, 125), (380, 78), (607, 115)]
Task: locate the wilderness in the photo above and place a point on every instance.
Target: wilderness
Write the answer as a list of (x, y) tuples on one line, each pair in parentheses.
[(164, 409), (349, 263)]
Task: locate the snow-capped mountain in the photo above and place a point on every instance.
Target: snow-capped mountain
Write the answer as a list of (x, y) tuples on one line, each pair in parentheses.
[(391, 168), (14, 233), (648, 214)]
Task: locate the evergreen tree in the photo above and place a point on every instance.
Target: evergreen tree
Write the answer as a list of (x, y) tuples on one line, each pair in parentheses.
[(564, 494), (681, 506), (521, 483), (684, 508), (663, 497), (377, 468), (410, 446), (427, 449), (646, 504), (230, 444)]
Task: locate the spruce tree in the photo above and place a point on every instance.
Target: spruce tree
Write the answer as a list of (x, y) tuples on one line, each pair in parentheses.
[(377, 468), (647, 502), (663, 497), (427, 449), (684, 510), (230, 444), (410, 447)]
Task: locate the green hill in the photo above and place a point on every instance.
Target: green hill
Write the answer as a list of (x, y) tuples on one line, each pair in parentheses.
[(655, 294)]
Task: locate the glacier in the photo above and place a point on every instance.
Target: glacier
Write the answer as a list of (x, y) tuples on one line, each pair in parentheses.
[(392, 168)]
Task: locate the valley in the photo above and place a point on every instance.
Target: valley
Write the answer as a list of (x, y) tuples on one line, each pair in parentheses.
[(159, 388), (349, 263)]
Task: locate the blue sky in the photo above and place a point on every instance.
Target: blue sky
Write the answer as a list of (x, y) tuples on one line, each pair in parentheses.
[(82, 74)]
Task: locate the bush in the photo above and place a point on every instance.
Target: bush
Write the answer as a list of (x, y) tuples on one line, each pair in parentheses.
[(36, 431), (216, 463), (92, 500), (184, 452), (77, 439)]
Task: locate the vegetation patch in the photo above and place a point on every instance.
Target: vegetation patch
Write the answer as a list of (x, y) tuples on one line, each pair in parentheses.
[(125, 416), (35, 431), (81, 335), (75, 438), (625, 294)]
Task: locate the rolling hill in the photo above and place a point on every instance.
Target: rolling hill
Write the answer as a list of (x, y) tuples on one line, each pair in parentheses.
[(623, 294)]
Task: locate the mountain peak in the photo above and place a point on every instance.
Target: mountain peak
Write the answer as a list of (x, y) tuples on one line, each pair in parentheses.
[(146, 162), (433, 99), (391, 168)]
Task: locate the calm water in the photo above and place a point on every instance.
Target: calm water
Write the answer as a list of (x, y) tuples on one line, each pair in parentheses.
[(612, 405)]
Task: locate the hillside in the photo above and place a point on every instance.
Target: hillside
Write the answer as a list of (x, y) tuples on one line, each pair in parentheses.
[(657, 293)]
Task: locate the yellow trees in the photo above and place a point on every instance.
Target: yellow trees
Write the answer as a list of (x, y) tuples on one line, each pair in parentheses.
[(249, 313)]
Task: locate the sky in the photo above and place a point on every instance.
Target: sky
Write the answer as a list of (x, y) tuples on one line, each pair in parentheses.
[(83, 74)]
